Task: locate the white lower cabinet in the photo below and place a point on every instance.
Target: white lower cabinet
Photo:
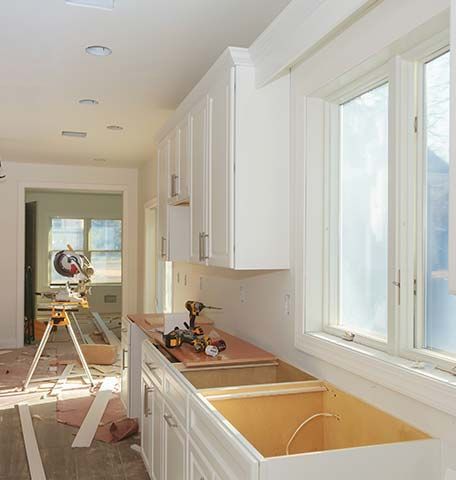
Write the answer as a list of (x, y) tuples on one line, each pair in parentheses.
[(198, 466), (125, 363), (175, 440), (146, 423)]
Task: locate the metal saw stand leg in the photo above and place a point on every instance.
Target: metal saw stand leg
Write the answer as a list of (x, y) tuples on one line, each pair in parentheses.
[(65, 321), (80, 354), (38, 353)]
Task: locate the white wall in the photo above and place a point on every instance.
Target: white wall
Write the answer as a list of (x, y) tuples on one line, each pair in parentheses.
[(12, 198), (261, 316), (74, 205)]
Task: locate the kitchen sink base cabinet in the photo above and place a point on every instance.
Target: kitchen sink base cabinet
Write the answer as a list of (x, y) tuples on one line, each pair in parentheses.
[(199, 425)]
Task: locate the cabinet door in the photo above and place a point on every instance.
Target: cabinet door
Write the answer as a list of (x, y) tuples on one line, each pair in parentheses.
[(173, 170), (163, 168), (125, 363), (157, 437), (198, 151), (146, 422), (198, 466), (220, 172), (175, 447), (183, 180)]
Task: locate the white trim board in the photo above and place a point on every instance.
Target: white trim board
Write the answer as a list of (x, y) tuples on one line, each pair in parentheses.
[(91, 421), (108, 334), (57, 388), (301, 28), (31, 446)]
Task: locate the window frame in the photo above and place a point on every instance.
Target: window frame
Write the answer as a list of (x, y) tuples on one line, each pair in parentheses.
[(85, 251), (333, 101), (424, 375)]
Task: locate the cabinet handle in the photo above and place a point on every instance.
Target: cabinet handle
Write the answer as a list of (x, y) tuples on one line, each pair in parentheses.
[(163, 247), (169, 419), (124, 351), (124, 330), (151, 366), (146, 409), (174, 185), (205, 242), (200, 246)]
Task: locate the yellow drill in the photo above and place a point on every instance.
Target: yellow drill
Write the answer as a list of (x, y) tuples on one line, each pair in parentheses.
[(195, 308)]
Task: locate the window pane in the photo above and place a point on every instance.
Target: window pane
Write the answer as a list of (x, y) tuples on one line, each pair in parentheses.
[(440, 331), (363, 213), (105, 235), (108, 267), (66, 231)]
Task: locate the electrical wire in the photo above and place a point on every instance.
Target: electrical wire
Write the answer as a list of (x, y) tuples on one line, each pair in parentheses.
[(305, 422)]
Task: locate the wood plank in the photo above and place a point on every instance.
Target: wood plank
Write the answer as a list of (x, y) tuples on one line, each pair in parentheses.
[(31, 445), (109, 336), (93, 418), (62, 380)]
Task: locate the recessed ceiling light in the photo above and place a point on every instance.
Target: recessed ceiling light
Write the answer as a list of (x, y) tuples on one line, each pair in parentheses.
[(100, 160), (88, 101), (103, 4), (114, 127), (69, 133), (98, 50)]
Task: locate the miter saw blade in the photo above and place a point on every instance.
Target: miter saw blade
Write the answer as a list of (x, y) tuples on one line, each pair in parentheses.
[(66, 264)]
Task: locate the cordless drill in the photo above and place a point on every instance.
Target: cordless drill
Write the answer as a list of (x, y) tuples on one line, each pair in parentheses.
[(195, 308)]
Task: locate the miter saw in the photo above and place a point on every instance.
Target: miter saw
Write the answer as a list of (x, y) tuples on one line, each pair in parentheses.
[(70, 264), (77, 266)]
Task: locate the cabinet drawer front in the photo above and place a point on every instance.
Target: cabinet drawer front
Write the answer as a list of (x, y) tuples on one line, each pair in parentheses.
[(213, 440), (176, 395), (153, 366), (199, 468)]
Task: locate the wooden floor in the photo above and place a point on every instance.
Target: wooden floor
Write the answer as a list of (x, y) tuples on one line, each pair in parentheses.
[(61, 462)]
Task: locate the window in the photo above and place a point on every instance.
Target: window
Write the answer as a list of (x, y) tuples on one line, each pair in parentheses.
[(99, 239), (436, 327), (361, 273), (64, 232), (105, 240)]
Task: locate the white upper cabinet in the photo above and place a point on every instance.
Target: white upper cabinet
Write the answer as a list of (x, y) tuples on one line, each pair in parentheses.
[(179, 164), (238, 152), (173, 233), (198, 158)]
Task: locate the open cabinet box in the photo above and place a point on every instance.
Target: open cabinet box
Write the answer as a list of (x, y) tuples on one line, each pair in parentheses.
[(238, 375), (257, 413)]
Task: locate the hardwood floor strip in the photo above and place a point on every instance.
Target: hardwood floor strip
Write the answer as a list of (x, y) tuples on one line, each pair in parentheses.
[(31, 446)]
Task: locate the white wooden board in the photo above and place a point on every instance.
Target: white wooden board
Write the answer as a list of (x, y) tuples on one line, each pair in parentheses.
[(93, 418), (31, 445)]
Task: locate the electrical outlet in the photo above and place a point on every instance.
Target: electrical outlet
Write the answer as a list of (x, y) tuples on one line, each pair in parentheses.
[(185, 280), (201, 283), (178, 277), (243, 294)]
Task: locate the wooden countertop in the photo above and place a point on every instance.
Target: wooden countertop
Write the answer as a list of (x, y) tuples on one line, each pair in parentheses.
[(237, 350)]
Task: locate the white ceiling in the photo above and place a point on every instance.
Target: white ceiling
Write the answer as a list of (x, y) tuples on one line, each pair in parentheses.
[(161, 48)]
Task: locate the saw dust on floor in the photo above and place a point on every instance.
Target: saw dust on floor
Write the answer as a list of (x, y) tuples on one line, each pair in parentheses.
[(56, 415)]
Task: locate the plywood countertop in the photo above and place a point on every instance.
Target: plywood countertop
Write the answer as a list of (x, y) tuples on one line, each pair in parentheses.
[(237, 351)]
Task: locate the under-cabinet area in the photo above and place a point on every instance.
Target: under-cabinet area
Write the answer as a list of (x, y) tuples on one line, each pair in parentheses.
[(254, 421)]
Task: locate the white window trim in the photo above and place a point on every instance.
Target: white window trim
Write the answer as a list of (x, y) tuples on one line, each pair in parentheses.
[(400, 367)]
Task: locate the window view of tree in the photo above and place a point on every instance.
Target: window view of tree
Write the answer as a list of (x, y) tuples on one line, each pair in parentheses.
[(440, 308), (363, 213)]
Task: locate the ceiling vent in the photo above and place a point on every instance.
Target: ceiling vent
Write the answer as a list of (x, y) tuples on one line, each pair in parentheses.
[(103, 4), (69, 133)]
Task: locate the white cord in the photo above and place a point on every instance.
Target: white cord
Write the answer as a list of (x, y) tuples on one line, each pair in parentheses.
[(305, 422)]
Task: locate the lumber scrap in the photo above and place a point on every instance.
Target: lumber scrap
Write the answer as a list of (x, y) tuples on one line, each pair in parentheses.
[(108, 335), (93, 418), (62, 380), (31, 445)]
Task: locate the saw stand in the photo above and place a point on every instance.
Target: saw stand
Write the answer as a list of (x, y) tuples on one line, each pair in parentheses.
[(59, 318)]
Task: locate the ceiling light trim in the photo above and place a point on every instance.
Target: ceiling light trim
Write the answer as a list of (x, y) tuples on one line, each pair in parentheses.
[(99, 4), (98, 50)]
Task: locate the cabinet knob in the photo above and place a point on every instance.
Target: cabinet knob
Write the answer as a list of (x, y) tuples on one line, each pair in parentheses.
[(169, 419)]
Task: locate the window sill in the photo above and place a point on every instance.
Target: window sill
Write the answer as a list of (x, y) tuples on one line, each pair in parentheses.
[(429, 386)]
